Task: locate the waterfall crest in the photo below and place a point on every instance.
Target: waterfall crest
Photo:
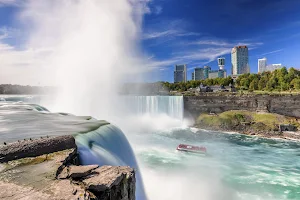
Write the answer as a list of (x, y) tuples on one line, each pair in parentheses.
[(108, 146)]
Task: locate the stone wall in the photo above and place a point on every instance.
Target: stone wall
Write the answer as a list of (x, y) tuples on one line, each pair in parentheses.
[(288, 105)]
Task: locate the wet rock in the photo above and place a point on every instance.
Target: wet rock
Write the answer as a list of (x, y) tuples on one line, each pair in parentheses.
[(76, 172), (81, 171), (54, 176), (109, 182), (33, 148)]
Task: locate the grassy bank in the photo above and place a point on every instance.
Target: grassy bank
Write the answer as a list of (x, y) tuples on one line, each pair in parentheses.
[(245, 121)]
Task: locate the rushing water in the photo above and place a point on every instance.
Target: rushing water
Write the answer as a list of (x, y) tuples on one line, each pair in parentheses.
[(172, 106), (237, 166), (108, 145)]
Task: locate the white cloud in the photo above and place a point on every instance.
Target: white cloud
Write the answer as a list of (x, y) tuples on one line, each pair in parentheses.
[(271, 52), (8, 32), (19, 66), (224, 43), (22, 66), (168, 29), (54, 24), (210, 42), (163, 63), (158, 10), (171, 33), (202, 55), (154, 35), (205, 51), (11, 2)]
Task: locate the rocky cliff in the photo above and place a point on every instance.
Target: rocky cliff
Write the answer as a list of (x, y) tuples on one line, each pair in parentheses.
[(288, 105), (47, 168)]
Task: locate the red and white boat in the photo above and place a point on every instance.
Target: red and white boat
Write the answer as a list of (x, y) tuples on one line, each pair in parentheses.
[(191, 148)]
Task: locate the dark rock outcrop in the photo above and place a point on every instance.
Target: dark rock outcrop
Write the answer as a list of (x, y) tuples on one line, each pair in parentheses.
[(109, 183), (48, 168), (76, 171), (37, 147), (53, 176)]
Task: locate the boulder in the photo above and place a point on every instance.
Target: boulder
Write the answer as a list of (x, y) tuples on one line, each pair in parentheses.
[(109, 182), (76, 172)]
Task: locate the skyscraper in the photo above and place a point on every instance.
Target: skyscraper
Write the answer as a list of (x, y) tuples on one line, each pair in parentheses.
[(240, 60), (262, 65), (273, 67), (180, 73), (198, 74), (206, 71), (221, 63)]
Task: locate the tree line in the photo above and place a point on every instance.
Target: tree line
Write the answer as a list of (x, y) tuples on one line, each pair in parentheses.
[(20, 89), (193, 84), (278, 80)]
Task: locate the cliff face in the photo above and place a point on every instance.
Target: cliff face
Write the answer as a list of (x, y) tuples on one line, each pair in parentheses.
[(288, 105), (53, 173)]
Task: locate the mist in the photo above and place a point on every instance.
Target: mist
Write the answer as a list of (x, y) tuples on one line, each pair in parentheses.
[(94, 49)]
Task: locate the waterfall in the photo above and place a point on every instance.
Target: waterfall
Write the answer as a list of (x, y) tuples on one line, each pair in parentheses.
[(156, 105), (98, 141), (108, 145)]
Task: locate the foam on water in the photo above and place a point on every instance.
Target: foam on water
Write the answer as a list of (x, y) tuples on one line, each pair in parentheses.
[(108, 146), (238, 167), (98, 141)]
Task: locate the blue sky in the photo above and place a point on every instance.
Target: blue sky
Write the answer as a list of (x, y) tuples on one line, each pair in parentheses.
[(196, 32)]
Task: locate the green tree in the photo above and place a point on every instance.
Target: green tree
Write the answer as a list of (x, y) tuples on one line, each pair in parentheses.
[(251, 86), (295, 83), (271, 84), (245, 82)]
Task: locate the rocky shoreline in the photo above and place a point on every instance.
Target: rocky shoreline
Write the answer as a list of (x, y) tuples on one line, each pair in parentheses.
[(265, 125), (28, 172), (285, 135)]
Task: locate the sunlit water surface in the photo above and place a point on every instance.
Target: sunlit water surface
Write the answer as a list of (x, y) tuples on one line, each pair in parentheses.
[(236, 167)]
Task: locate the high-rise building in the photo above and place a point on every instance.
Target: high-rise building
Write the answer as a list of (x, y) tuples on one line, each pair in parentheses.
[(240, 60), (262, 65), (213, 74), (207, 69), (273, 67), (221, 63), (217, 74), (198, 74), (180, 73), (206, 72)]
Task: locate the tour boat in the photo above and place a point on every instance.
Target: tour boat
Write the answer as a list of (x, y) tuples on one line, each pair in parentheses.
[(191, 148)]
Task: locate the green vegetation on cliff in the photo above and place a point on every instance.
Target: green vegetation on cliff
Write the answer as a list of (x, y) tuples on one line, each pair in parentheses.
[(278, 80), (244, 121), (193, 84)]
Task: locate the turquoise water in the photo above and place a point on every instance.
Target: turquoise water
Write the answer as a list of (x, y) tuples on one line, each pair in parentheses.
[(237, 167), (108, 145)]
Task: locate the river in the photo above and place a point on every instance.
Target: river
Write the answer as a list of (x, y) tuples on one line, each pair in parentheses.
[(236, 167)]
